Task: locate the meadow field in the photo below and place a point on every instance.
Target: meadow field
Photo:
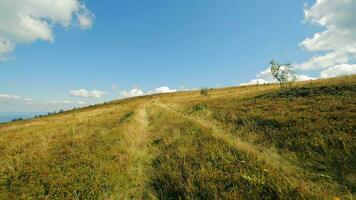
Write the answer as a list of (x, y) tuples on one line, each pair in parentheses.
[(247, 142)]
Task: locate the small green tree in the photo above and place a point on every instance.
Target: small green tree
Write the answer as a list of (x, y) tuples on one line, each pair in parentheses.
[(204, 91), (282, 73)]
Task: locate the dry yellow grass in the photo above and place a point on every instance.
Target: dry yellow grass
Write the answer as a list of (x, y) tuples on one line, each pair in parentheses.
[(250, 142)]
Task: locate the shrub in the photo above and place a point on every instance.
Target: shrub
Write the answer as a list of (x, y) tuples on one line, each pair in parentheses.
[(17, 119), (199, 107), (282, 73), (204, 91)]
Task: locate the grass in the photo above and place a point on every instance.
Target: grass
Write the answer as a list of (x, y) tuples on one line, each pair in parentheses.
[(316, 124), (250, 142), (196, 164)]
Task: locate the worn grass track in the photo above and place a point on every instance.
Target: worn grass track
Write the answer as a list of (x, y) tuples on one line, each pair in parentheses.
[(137, 135)]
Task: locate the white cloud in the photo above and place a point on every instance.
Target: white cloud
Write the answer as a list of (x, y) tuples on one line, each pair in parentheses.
[(262, 78), (324, 61), (163, 89), (336, 45), (85, 93), (338, 40), (131, 93), (266, 77), (255, 82), (85, 18), (303, 77), (96, 94), (5, 48), (137, 92), (9, 97), (65, 102), (15, 99), (338, 70), (29, 101), (25, 21)]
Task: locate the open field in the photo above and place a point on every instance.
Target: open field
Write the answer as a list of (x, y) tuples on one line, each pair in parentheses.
[(250, 142)]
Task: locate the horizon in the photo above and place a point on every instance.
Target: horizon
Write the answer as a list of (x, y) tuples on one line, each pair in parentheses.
[(6, 117)]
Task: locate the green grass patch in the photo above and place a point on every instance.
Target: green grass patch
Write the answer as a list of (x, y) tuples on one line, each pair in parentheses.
[(126, 117), (332, 90)]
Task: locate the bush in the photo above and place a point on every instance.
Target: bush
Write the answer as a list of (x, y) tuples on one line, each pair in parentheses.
[(199, 107), (204, 91), (17, 119)]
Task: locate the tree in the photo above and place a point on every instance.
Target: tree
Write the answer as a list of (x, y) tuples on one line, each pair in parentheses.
[(282, 73), (204, 91)]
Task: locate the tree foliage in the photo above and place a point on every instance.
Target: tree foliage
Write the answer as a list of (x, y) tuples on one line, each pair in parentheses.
[(282, 73), (204, 91)]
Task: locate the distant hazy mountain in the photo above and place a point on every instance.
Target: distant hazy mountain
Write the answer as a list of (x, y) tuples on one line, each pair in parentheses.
[(8, 116)]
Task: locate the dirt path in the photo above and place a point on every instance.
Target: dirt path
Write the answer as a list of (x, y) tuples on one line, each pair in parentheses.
[(137, 135)]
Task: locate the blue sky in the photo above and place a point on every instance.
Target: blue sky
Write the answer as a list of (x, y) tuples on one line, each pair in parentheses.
[(149, 44)]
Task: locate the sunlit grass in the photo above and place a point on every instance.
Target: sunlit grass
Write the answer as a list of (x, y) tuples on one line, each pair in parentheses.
[(251, 142)]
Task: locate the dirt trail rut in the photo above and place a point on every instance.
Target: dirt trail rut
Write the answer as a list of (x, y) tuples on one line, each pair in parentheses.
[(138, 135)]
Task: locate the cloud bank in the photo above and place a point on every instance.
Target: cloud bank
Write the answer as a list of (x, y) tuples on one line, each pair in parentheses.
[(334, 47), (265, 77), (8, 98), (65, 102), (131, 93), (85, 93), (163, 89), (337, 42), (25, 21), (138, 92), (14, 98), (338, 70)]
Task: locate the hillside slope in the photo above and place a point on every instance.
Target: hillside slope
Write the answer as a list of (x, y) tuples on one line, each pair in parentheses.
[(251, 142)]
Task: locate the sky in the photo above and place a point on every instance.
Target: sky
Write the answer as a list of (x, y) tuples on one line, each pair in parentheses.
[(69, 53)]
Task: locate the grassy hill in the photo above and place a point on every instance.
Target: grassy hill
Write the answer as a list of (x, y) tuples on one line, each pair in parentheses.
[(250, 142)]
